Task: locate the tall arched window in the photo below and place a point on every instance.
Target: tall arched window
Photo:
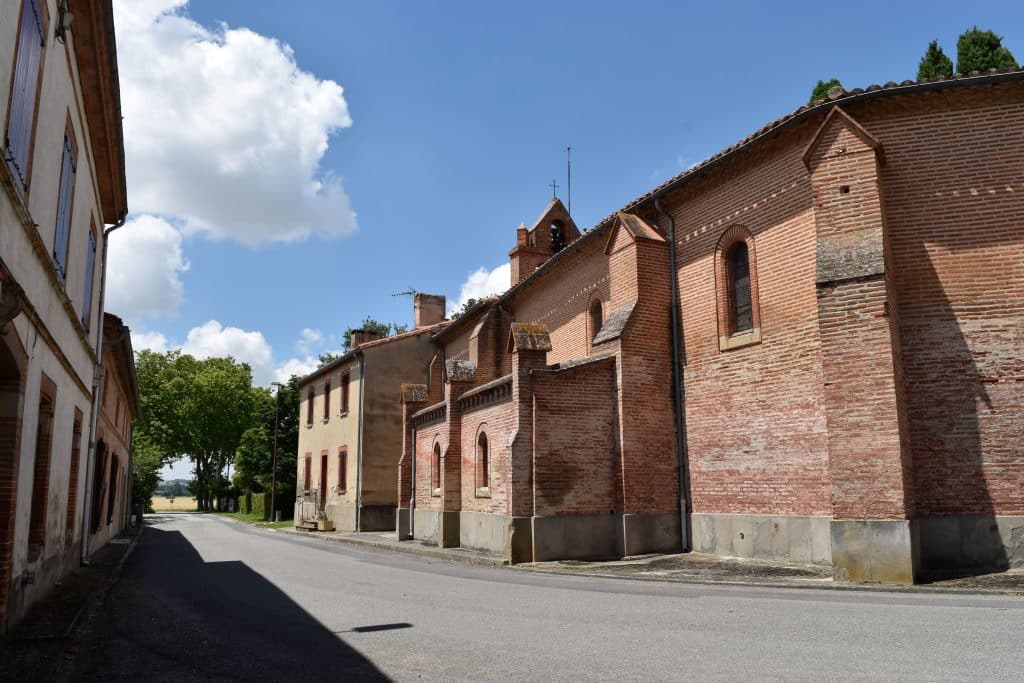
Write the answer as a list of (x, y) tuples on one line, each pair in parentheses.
[(483, 462), (557, 237), (741, 311), (739, 317), (435, 468), (596, 318)]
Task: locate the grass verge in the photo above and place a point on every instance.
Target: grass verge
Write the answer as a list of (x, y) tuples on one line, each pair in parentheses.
[(257, 520)]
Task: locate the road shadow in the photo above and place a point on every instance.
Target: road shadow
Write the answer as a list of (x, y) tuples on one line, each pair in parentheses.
[(173, 616)]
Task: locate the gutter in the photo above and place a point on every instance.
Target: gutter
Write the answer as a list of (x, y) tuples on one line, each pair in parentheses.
[(97, 385), (677, 382)]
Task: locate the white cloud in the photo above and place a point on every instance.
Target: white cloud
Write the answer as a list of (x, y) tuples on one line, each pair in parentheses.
[(150, 341), (310, 340), (483, 282), (211, 339), (144, 267), (296, 366), (224, 131)]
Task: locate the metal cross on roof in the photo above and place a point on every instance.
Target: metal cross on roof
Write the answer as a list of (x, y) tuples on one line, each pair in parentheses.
[(554, 189)]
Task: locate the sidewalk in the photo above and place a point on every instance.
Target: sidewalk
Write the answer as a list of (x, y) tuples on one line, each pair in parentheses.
[(46, 637), (687, 568)]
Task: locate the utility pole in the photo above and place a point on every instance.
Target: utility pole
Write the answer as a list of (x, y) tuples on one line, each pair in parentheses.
[(273, 466)]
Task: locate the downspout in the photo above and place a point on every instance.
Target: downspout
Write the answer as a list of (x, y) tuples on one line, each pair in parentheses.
[(412, 492), (359, 457), (97, 385), (677, 382), (131, 476)]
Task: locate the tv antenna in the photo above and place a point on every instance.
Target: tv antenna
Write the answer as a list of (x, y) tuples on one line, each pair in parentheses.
[(568, 170), (412, 292)]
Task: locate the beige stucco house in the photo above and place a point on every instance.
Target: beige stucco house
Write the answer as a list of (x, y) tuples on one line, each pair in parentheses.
[(62, 180), (350, 438)]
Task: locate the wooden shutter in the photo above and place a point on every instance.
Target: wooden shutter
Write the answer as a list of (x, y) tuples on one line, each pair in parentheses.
[(345, 380), (31, 39), (90, 268), (65, 193)]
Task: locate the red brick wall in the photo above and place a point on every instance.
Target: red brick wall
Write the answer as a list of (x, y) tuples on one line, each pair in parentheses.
[(497, 420), (954, 197), (426, 435), (754, 416), (576, 461)]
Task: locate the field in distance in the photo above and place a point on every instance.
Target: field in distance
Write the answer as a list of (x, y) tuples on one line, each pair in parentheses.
[(179, 504)]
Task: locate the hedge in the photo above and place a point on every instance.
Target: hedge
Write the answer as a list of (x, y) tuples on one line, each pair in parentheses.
[(245, 503), (259, 505)]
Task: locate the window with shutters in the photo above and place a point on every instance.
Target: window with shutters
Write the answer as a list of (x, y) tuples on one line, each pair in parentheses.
[(327, 400), (307, 472), (90, 274), (346, 380), (112, 495), (309, 407), (21, 115), (739, 319), (342, 469), (65, 199)]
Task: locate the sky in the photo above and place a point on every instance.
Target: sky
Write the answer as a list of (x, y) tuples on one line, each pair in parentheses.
[(294, 166)]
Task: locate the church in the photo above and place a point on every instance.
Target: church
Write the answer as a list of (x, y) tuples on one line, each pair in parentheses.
[(809, 347)]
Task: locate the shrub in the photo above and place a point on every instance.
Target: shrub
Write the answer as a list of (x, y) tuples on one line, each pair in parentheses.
[(259, 505)]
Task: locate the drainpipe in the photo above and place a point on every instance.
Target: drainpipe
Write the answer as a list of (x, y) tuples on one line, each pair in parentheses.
[(677, 381), (130, 488), (412, 492), (359, 457), (97, 385)]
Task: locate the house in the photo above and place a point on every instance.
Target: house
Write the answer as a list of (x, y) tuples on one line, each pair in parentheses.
[(351, 424), (62, 179), (809, 347)]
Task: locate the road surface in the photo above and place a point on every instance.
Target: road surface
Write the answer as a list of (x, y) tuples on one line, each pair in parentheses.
[(205, 598)]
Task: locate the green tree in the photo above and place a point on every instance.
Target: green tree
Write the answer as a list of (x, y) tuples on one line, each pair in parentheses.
[(935, 63), (470, 303), (820, 91), (978, 50), (369, 324), (146, 464), (197, 409)]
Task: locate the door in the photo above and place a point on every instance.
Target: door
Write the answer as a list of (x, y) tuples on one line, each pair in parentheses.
[(323, 482)]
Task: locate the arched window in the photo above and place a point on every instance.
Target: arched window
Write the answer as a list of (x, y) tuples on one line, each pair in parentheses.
[(741, 311), (739, 318), (483, 462), (435, 468), (557, 237), (596, 318)]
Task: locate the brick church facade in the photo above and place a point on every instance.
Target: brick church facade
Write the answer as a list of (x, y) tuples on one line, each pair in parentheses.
[(809, 347)]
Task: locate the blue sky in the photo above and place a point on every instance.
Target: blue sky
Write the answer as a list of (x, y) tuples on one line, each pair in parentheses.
[(453, 121)]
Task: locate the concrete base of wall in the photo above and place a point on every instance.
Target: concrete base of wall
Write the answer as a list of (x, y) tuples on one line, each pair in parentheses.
[(876, 551), (790, 538), (657, 533), (343, 516), (577, 537), (403, 524), (974, 542), (437, 526)]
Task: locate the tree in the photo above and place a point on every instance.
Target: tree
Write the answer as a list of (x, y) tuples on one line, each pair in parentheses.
[(820, 91), (146, 464), (470, 303), (197, 409), (978, 50), (369, 324), (935, 63)]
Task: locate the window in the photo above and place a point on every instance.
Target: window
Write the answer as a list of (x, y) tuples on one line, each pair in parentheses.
[(739, 319), (596, 319), (65, 199), (112, 495), (435, 469), (76, 441), (342, 469), (308, 473), (99, 465), (41, 475), (345, 381), (739, 288), (327, 400), (309, 406), (90, 272), (483, 462), (32, 33), (557, 237)]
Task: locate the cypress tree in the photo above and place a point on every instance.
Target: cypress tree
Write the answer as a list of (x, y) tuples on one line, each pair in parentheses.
[(820, 91), (935, 63), (978, 50)]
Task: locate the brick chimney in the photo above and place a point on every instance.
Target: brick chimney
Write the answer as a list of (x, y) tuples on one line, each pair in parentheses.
[(360, 337), (428, 309)]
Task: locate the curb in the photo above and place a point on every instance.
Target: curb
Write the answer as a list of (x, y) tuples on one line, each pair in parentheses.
[(101, 594), (421, 551)]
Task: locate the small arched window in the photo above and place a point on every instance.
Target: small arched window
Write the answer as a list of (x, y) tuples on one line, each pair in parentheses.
[(483, 462), (742, 312), (557, 237), (596, 318), (435, 468)]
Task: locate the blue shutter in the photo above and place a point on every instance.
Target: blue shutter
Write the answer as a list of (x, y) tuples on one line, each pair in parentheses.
[(67, 182), (90, 265), (23, 93)]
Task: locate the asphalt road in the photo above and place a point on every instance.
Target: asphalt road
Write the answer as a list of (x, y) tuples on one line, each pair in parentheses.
[(205, 598)]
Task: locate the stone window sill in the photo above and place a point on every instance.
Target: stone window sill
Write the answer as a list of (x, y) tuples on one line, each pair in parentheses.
[(343, 413), (740, 340), (483, 492), (436, 492)]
